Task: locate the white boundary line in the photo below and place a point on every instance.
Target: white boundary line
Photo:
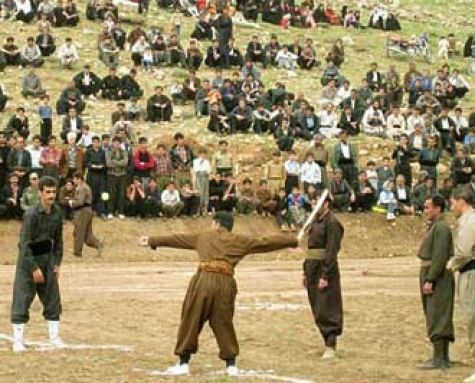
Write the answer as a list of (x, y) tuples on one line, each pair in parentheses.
[(46, 346)]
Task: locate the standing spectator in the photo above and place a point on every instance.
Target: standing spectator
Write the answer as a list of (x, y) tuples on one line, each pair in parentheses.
[(95, 163), (72, 158), (50, 159), (45, 112), (116, 160), (164, 169), (429, 158), (402, 156), (182, 158), (65, 195), (345, 158), (171, 202), (35, 150), (143, 161), (68, 54), (310, 173), (384, 172), (30, 54), (222, 161), (201, 174)]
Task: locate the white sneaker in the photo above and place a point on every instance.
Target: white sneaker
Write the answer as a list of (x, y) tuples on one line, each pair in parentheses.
[(92, 97), (110, 216), (121, 216), (470, 379), (232, 371), (178, 369), (390, 217), (18, 346), (329, 353)]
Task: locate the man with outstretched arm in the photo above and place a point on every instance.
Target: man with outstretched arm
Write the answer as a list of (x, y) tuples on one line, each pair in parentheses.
[(212, 291), (37, 268)]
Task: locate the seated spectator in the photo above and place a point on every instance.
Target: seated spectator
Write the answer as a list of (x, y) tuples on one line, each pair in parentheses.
[(417, 140), (31, 85), (24, 11), (50, 159), (109, 53), (190, 88), (387, 200), (18, 124), (461, 125), (11, 52), (70, 98), (395, 124), (130, 86), (241, 117), (364, 194), (3, 98), (72, 123), (217, 188), (138, 49), (373, 121), (374, 77), (191, 200), (232, 55), (384, 172), (10, 205), (135, 206), (348, 122), (271, 49), (341, 191), (328, 121), (425, 189), (45, 42), (112, 86), (30, 54), (152, 199), (229, 200), (194, 57), (255, 51), (296, 208), (70, 14), (45, 11), (246, 200), (307, 58), (66, 194), (286, 59), (176, 53), (403, 195), (203, 29), (462, 167), (329, 93), (266, 204), (88, 83), (459, 83), (68, 54), (336, 53), (30, 196), (214, 56), (250, 68), (171, 201), (159, 107)]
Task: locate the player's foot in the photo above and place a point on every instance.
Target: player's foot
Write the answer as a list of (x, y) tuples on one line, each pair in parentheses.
[(121, 216), (329, 353), (110, 216), (470, 379), (232, 371), (178, 369), (18, 346), (100, 249)]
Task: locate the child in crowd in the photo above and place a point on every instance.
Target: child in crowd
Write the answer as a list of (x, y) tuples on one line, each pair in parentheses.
[(46, 114), (387, 200)]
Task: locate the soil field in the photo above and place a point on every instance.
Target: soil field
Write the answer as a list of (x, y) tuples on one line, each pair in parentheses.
[(112, 302)]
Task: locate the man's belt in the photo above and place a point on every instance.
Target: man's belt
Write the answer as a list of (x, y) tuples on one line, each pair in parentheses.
[(220, 267), (82, 207), (426, 262), (317, 254), (469, 266)]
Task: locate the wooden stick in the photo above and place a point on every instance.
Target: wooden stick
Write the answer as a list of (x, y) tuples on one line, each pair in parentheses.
[(313, 214)]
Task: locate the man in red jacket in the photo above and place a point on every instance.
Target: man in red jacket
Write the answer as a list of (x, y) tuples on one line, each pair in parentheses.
[(144, 162)]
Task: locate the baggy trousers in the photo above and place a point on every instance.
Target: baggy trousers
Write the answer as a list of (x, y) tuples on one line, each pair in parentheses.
[(327, 307), (466, 295), (82, 233), (210, 298), (25, 290)]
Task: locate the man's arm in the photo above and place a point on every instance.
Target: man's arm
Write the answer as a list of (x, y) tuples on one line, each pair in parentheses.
[(441, 251), (177, 241), (464, 246), (334, 235), (58, 243), (247, 245), (25, 240)]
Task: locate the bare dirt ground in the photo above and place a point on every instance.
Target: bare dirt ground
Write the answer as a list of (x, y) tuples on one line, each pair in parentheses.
[(113, 301)]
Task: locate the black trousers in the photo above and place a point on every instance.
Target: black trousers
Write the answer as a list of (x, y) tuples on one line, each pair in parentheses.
[(97, 182), (46, 128), (116, 186), (25, 290), (327, 307)]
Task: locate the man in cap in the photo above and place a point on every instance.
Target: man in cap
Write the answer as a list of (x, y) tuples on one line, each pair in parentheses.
[(212, 290)]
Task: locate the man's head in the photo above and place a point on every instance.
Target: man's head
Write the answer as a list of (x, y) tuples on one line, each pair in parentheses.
[(96, 142), (20, 143), (33, 178), (78, 178), (48, 189), (171, 186), (462, 200), (143, 144), (362, 177), (434, 207), (179, 139)]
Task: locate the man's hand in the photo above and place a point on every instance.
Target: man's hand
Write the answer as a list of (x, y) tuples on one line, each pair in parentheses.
[(322, 284), (38, 277), (56, 271), (427, 289), (144, 240)]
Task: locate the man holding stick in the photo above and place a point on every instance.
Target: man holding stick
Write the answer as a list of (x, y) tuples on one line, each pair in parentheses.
[(463, 260), (212, 291), (321, 275)]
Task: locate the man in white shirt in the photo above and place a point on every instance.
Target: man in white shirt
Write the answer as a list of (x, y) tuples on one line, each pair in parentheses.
[(373, 121), (395, 124), (310, 173), (68, 54), (86, 137), (286, 59), (24, 11), (461, 124), (328, 121), (414, 119), (35, 153), (171, 202)]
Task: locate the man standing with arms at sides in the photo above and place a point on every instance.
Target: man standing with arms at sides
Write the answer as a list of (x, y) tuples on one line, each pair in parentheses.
[(437, 283), (321, 276), (212, 291), (82, 218), (463, 260), (39, 261)]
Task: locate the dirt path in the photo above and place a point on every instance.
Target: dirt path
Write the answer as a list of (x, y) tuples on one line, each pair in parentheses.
[(138, 305)]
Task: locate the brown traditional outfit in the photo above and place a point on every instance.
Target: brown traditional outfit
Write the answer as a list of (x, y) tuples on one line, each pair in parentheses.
[(82, 220), (212, 290), (324, 242)]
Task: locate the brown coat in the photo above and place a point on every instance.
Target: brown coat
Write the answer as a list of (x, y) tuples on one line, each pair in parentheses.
[(223, 245), (64, 162)]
